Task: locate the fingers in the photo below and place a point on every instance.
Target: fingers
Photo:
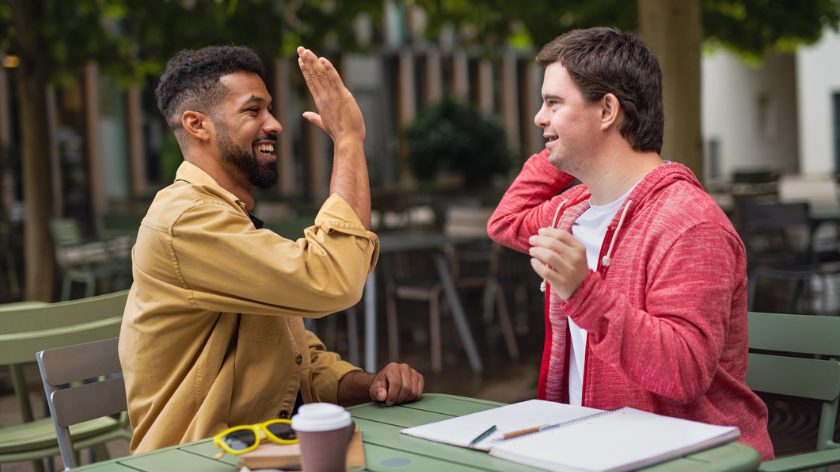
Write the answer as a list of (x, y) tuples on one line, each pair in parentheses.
[(559, 258), (313, 71), (397, 383), (314, 118)]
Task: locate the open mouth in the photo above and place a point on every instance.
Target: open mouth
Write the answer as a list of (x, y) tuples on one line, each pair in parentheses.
[(549, 139), (265, 148)]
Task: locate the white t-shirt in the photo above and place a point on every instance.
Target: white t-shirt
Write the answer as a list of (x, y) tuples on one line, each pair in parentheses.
[(590, 229)]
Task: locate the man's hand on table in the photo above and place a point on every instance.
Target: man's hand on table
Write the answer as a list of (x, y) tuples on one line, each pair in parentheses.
[(394, 384)]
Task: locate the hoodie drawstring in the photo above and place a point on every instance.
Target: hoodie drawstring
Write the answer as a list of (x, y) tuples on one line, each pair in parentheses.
[(553, 225), (605, 261)]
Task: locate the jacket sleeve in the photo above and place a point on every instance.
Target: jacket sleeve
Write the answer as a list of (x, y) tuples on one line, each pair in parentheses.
[(529, 203), (326, 371), (227, 265), (672, 348)]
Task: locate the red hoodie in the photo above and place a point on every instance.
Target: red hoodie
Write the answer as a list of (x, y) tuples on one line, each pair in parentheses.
[(666, 311)]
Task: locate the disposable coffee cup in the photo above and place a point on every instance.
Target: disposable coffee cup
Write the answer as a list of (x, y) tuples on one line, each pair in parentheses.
[(324, 431)]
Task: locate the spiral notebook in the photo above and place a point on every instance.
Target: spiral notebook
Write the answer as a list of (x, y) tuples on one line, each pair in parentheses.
[(590, 441), (624, 439)]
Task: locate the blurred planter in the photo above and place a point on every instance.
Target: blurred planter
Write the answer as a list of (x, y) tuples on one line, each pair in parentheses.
[(453, 143)]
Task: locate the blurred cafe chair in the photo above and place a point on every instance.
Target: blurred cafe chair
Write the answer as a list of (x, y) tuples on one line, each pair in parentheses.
[(474, 263), (88, 261), (780, 247)]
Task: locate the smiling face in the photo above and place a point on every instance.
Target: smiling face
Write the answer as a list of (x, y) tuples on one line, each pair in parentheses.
[(246, 131), (570, 124)]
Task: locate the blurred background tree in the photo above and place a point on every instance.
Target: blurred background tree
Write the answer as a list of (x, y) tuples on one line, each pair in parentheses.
[(130, 40), (674, 29)]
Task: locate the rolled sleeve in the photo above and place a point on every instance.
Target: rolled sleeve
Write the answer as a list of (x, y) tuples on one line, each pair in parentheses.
[(337, 215)]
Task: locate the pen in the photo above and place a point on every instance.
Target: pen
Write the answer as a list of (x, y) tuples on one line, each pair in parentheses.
[(482, 436)]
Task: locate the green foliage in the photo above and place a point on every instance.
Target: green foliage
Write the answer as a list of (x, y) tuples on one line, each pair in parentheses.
[(492, 24), (132, 39), (750, 27), (455, 137)]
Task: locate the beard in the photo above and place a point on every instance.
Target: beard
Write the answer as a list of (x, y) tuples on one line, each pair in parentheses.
[(244, 160)]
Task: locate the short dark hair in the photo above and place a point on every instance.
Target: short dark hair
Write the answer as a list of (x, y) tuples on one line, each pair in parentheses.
[(191, 78), (606, 60)]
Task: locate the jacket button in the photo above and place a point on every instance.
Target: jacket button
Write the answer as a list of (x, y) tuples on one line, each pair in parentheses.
[(283, 414), (298, 359)]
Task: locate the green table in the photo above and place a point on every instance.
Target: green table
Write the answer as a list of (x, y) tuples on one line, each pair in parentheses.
[(388, 450)]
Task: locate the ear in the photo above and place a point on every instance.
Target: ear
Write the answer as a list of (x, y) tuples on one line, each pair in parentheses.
[(610, 111), (197, 125)]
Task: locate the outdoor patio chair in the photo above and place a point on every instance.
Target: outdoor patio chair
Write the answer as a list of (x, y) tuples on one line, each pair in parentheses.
[(798, 355), (83, 382), (31, 327), (780, 246), (88, 261), (474, 263)]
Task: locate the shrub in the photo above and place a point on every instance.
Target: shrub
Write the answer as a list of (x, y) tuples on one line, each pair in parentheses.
[(456, 137)]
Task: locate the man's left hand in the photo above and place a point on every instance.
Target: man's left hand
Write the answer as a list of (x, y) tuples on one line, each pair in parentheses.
[(396, 383)]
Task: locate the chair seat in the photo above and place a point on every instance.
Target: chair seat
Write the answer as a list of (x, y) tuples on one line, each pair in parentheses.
[(801, 461), (40, 434)]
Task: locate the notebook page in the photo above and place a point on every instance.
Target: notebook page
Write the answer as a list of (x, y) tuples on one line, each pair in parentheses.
[(625, 439), (461, 430)]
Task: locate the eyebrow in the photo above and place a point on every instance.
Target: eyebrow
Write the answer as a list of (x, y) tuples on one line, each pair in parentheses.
[(550, 96), (254, 99)]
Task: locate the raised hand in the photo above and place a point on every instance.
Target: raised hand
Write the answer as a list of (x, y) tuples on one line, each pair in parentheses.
[(338, 113)]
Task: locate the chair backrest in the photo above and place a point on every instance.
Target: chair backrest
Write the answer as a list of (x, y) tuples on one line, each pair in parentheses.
[(798, 355), (28, 328), (35, 327), (82, 382), (775, 230), (65, 232), (479, 259), (469, 222)]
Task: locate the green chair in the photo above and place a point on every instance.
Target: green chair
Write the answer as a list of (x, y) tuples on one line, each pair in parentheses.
[(34, 327), (798, 355), (88, 261)]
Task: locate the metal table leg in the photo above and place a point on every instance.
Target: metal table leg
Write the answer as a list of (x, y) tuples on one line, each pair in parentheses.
[(458, 312), (370, 323)]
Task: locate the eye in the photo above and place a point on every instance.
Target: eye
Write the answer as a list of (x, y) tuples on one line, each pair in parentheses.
[(254, 110)]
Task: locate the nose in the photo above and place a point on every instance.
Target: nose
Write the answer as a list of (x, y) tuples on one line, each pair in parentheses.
[(540, 118), (272, 126)]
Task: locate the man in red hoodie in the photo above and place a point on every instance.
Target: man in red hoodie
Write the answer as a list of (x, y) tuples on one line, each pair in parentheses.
[(645, 276)]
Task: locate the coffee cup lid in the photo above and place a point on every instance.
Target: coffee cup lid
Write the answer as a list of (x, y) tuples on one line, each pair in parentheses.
[(320, 417)]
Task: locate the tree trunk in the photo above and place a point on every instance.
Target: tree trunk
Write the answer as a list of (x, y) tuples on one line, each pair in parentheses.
[(37, 180), (673, 30)]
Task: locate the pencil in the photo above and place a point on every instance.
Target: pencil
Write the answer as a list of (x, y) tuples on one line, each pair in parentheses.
[(521, 432)]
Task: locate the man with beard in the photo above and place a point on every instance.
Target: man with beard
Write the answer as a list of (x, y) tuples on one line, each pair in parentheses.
[(213, 334)]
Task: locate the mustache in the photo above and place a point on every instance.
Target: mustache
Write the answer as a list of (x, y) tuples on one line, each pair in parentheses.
[(267, 137)]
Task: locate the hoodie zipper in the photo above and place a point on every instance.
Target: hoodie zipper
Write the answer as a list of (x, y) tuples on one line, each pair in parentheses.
[(604, 260)]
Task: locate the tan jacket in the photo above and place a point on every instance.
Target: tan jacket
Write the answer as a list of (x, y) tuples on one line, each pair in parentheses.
[(212, 334)]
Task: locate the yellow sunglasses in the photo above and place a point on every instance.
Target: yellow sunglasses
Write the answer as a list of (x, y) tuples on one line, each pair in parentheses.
[(245, 438)]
